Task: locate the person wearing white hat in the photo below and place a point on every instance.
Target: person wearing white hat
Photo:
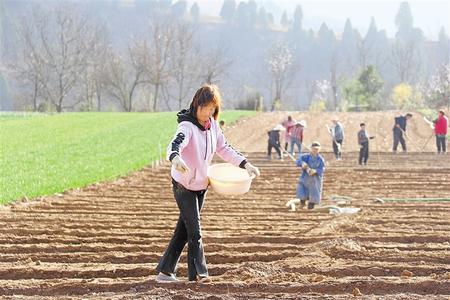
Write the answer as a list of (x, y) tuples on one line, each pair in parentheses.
[(337, 134), (311, 179), (297, 136), (274, 141)]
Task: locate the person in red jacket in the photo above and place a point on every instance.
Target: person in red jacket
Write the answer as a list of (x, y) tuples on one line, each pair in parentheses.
[(440, 129)]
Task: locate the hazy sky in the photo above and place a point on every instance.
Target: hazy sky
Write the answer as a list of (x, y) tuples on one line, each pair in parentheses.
[(430, 16)]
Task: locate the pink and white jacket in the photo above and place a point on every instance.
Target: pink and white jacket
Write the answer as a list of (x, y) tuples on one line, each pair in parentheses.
[(196, 146)]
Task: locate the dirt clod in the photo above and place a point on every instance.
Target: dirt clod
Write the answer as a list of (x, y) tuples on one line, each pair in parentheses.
[(356, 292), (407, 273)]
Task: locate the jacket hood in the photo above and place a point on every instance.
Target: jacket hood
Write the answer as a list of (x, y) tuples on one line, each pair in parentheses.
[(188, 115)]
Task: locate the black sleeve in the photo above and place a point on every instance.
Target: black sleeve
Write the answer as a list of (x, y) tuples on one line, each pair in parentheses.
[(242, 164)]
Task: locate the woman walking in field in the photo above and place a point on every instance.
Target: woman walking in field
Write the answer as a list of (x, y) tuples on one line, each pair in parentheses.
[(191, 151)]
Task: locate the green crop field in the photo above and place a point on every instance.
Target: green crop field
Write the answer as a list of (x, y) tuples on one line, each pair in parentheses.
[(42, 154)]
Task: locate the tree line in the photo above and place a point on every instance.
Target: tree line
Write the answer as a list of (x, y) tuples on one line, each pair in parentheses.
[(65, 59)]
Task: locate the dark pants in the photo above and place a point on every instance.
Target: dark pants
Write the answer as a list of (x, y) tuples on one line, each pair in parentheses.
[(441, 143), (187, 230), (273, 145), (364, 153), (398, 137), (336, 148)]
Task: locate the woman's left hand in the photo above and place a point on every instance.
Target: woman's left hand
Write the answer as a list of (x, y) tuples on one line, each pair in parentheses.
[(252, 170)]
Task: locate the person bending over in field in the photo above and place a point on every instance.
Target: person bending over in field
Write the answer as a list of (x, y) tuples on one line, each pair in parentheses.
[(311, 179), (274, 141), (191, 151)]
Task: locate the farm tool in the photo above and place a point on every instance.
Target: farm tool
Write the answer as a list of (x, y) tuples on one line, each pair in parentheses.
[(432, 133), (383, 200), (334, 140), (409, 139), (288, 154), (332, 209)]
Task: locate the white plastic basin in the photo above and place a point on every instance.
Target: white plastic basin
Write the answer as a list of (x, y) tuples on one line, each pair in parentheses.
[(227, 179)]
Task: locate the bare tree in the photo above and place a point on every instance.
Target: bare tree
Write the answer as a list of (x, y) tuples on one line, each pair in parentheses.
[(282, 70), (92, 81), (437, 90), (123, 76), (28, 67), (157, 54), (65, 39), (404, 60), (333, 79), (184, 63), (214, 64)]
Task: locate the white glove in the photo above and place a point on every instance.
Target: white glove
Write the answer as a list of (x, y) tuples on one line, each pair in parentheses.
[(304, 165), (179, 164), (252, 170), (312, 172)]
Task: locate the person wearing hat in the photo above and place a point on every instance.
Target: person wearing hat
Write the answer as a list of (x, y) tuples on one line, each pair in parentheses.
[(337, 134), (297, 136), (311, 179), (274, 141), (363, 141)]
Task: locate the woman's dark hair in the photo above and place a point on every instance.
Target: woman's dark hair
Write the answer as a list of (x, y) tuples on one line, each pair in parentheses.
[(442, 112), (207, 94)]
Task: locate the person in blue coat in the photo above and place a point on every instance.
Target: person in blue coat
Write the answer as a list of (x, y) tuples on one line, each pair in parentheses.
[(311, 179)]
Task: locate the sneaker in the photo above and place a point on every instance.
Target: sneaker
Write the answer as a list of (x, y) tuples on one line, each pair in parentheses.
[(161, 277), (311, 205), (204, 279)]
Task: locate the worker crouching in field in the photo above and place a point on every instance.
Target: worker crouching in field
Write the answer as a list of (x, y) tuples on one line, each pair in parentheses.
[(363, 141), (311, 180)]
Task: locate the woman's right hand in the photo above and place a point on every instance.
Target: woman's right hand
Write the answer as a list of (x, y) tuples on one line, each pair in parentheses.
[(252, 170), (179, 164)]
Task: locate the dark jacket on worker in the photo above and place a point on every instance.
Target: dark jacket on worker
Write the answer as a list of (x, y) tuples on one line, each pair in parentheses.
[(274, 137), (401, 121), (363, 137)]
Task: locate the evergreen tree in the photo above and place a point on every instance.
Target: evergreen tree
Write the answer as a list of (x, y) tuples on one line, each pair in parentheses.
[(372, 32), (284, 20), (270, 18), (297, 20), (404, 20), (228, 10), (348, 50), (242, 15), (443, 47), (179, 9), (263, 20), (252, 10), (195, 12), (364, 93)]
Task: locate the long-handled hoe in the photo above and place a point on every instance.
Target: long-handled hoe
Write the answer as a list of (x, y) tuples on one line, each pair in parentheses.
[(432, 133), (334, 140)]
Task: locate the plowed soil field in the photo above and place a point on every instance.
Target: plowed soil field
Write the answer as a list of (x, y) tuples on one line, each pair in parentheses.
[(104, 241)]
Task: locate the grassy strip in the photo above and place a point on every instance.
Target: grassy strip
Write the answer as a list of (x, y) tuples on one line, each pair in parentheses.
[(45, 154)]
